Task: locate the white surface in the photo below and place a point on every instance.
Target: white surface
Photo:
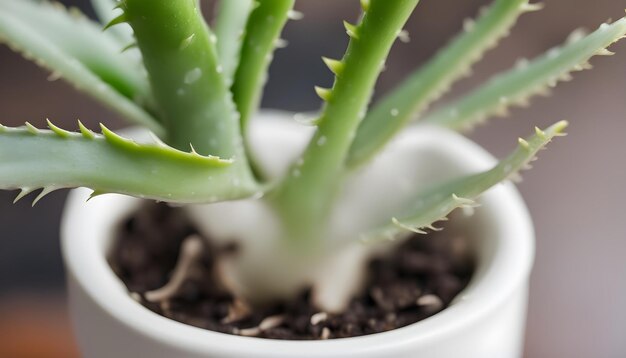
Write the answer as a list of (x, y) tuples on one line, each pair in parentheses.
[(487, 320)]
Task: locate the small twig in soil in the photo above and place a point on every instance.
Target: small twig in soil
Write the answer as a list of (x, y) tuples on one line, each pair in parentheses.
[(318, 318), (237, 311), (266, 324), (190, 253), (325, 333), (431, 303)]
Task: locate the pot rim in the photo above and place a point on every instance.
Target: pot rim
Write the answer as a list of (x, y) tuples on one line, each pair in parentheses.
[(507, 270)]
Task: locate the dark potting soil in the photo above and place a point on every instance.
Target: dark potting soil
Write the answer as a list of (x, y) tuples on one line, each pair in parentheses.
[(419, 279)]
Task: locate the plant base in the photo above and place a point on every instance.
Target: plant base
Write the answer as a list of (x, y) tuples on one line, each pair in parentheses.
[(416, 280)]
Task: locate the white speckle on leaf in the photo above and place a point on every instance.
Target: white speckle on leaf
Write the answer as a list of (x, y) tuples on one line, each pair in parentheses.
[(553, 52), (395, 112), (521, 64), (321, 141), (295, 15), (193, 76), (281, 43), (403, 36)]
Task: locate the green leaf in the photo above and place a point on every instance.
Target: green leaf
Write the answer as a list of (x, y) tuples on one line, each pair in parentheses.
[(306, 195), (76, 36), (261, 35), (435, 78), (186, 77), (53, 159), (518, 85), (75, 48), (436, 204), (230, 30)]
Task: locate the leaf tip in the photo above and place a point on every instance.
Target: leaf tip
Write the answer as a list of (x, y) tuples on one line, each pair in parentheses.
[(31, 128), (540, 133), (365, 5), (94, 194), (522, 142), (45, 191), (335, 66), (23, 192), (86, 132), (558, 128), (116, 21), (324, 93), (351, 30), (58, 131), (128, 47)]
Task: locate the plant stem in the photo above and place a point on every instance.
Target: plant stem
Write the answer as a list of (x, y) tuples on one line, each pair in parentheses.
[(179, 53)]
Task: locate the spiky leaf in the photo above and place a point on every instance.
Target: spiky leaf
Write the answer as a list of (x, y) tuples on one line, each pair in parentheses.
[(517, 85), (230, 30), (75, 48), (305, 198), (261, 35), (53, 159), (73, 34), (435, 204), (433, 79)]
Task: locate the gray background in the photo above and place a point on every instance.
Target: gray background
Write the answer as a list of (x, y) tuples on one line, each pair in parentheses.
[(575, 192)]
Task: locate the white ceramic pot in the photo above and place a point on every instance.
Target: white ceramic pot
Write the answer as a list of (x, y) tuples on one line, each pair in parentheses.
[(486, 320)]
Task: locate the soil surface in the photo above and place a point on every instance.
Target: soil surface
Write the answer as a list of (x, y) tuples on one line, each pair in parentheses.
[(419, 279)]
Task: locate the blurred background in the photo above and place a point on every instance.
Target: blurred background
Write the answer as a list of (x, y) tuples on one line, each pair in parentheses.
[(575, 192)]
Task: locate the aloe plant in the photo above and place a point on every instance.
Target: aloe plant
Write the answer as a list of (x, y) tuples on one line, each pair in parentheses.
[(161, 66)]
